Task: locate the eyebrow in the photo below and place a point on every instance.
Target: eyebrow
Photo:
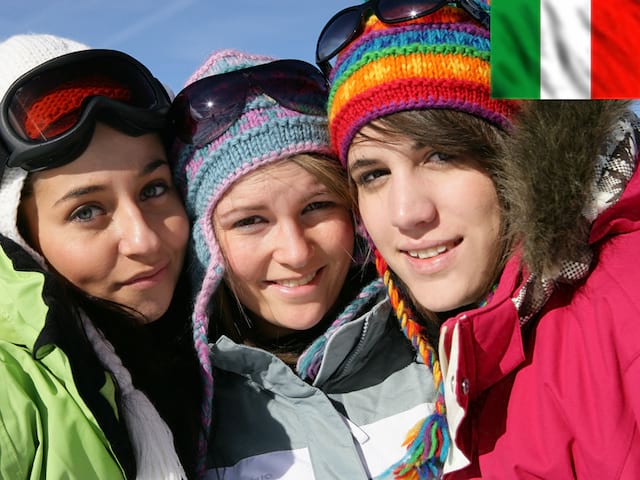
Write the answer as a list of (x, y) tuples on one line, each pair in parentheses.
[(361, 163), (152, 166), (256, 208), (87, 190)]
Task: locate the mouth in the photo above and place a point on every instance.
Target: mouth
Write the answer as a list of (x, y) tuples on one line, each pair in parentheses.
[(432, 251), (295, 282), (146, 276)]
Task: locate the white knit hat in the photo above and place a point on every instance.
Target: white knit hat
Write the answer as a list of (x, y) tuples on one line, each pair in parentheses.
[(21, 53), (18, 55)]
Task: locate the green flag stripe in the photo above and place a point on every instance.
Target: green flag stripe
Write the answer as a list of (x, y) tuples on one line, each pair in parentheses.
[(515, 48)]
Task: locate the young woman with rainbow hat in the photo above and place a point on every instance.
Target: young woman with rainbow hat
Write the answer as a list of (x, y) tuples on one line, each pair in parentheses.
[(505, 234)]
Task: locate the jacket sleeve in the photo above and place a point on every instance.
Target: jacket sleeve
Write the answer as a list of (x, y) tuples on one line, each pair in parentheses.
[(20, 424), (631, 376)]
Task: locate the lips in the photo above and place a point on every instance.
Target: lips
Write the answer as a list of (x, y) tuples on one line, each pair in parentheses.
[(148, 275), (427, 253), (296, 282), (433, 251)]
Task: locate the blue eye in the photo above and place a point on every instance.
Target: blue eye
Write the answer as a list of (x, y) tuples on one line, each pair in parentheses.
[(86, 213)]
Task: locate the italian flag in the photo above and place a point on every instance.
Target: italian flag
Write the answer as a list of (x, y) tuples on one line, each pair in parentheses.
[(565, 49)]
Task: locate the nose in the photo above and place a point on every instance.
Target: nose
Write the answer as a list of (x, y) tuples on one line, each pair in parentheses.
[(291, 246), (137, 235), (412, 205)]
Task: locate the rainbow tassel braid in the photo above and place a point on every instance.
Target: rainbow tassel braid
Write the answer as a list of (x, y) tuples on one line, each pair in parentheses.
[(428, 441)]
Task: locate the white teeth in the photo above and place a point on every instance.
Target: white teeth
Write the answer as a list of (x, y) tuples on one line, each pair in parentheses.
[(297, 283), (428, 253)]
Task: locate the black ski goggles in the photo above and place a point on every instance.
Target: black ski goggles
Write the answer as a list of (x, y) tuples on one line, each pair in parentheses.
[(206, 109), (347, 24), (48, 115)]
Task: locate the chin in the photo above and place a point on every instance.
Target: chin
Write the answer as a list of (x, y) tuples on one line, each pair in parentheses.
[(150, 315), (302, 321), (438, 303)]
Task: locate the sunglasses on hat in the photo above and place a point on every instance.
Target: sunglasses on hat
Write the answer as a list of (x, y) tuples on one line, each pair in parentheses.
[(205, 109), (47, 116), (347, 24)]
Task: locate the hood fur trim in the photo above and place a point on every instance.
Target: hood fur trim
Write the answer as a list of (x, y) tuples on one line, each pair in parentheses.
[(548, 175), (11, 185)]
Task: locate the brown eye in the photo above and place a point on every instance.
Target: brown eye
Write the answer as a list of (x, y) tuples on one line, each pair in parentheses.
[(247, 222), (154, 190)]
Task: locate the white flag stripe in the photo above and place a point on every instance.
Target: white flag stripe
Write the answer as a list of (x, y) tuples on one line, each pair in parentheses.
[(565, 49)]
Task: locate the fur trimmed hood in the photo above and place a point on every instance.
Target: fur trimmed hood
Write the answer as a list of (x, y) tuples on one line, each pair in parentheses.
[(566, 162)]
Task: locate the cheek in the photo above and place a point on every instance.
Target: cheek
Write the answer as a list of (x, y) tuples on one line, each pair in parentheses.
[(172, 224), (487, 212), (242, 257), (179, 230), (338, 235), (64, 255), (372, 217), (487, 218)]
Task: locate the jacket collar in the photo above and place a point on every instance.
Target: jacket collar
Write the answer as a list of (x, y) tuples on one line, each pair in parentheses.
[(348, 343)]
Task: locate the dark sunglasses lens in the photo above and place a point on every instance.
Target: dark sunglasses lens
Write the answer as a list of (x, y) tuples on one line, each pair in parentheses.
[(295, 85), (50, 103), (337, 33), (400, 10), (476, 12), (207, 108)]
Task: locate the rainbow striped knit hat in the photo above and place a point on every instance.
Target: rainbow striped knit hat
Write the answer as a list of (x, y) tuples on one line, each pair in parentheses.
[(265, 133), (438, 61)]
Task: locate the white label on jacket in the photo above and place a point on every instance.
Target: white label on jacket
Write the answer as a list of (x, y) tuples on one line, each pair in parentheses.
[(383, 445), (455, 460), (285, 465)]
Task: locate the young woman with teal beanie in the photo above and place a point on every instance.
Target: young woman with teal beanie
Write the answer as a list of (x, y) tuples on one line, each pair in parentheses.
[(307, 374)]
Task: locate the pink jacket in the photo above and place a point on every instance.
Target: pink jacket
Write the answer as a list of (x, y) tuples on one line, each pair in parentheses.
[(558, 398)]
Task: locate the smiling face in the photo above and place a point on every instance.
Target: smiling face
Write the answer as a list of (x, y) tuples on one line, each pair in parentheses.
[(111, 222), (435, 219), (287, 240)]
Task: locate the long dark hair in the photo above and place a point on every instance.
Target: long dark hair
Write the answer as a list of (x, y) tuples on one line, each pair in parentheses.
[(161, 358)]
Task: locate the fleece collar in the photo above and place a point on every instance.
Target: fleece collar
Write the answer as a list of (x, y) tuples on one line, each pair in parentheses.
[(10, 191)]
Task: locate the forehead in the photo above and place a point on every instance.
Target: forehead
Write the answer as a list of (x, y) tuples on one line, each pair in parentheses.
[(109, 152), (285, 173)]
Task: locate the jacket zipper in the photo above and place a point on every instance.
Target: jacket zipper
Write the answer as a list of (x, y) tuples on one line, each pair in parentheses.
[(356, 351)]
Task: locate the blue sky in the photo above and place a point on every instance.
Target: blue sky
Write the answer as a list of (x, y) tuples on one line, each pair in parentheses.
[(174, 37)]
